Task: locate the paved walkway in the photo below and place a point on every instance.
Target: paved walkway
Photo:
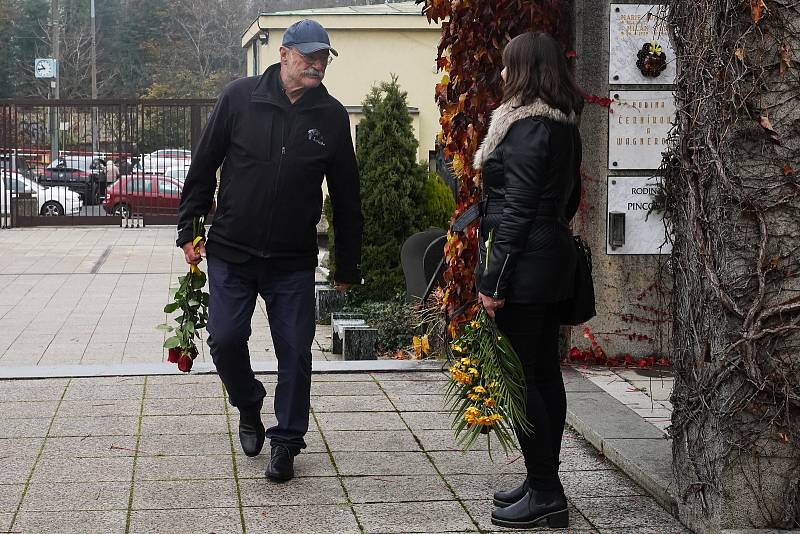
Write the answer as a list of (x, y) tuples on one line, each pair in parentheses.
[(645, 391), (94, 295), (160, 454)]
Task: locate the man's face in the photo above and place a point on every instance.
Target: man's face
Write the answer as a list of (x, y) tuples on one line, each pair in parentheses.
[(302, 69)]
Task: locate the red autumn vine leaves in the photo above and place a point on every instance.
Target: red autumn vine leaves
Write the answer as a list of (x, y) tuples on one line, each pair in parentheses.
[(470, 56)]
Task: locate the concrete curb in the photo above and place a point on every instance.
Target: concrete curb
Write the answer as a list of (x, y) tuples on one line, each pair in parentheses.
[(636, 447), (157, 369), (632, 444)]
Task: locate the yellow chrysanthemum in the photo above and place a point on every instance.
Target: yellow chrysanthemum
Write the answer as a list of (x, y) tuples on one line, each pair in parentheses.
[(460, 376), (472, 415), (479, 389), (473, 397), (490, 403), (466, 361), (475, 324), (488, 420), (473, 371), (457, 348)]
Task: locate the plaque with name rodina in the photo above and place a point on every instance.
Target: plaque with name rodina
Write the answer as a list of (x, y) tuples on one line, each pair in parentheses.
[(640, 49), (638, 128), (635, 224)]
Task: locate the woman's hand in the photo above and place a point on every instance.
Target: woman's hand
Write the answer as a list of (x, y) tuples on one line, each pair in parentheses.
[(490, 304)]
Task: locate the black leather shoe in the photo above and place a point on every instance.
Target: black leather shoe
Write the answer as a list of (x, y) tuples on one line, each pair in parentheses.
[(537, 508), (251, 430), (507, 498), (281, 464)]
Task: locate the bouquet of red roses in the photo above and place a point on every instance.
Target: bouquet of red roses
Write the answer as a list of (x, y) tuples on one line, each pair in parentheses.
[(192, 301)]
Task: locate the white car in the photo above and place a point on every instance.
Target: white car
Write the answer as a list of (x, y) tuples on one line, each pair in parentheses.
[(161, 160), (177, 173), (52, 200)]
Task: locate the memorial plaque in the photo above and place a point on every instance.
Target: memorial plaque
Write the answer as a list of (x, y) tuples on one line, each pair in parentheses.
[(630, 230), (638, 127), (633, 28)]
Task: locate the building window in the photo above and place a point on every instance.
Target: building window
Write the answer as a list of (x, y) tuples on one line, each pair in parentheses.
[(256, 70)]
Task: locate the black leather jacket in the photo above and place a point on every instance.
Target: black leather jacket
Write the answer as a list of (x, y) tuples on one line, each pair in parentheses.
[(532, 189)]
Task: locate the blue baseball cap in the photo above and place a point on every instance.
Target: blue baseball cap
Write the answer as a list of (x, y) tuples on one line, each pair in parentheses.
[(308, 36)]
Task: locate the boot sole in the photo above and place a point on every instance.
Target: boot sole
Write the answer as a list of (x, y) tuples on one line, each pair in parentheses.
[(559, 519), (279, 478)]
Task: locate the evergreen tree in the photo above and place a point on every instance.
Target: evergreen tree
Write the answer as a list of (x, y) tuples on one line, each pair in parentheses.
[(392, 187), (438, 203)]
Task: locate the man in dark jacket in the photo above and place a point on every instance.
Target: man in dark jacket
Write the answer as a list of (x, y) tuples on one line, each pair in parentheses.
[(276, 136)]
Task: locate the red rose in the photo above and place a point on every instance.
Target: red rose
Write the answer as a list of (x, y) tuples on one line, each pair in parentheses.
[(642, 363), (185, 363), (628, 359), (173, 355), (664, 361), (574, 353)]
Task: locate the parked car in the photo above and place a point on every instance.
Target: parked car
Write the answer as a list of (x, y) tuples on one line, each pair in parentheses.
[(14, 161), (143, 194), (52, 201), (84, 174), (160, 160), (177, 173)]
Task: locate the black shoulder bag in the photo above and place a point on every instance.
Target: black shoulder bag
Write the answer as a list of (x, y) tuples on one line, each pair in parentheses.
[(581, 307)]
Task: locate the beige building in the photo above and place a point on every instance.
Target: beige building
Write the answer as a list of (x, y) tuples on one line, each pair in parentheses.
[(373, 42)]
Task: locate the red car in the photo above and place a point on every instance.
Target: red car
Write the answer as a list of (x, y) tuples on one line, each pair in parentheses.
[(143, 194)]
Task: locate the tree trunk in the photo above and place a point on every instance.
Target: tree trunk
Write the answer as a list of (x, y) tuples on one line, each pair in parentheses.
[(734, 208)]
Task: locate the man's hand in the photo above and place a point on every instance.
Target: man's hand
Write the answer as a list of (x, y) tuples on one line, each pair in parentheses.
[(490, 304), (341, 286), (193, 257)]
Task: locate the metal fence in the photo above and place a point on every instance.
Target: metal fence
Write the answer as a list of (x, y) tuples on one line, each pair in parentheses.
[(77, 162)]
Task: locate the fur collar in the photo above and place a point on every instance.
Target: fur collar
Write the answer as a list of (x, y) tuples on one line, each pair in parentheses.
[(506, 115)]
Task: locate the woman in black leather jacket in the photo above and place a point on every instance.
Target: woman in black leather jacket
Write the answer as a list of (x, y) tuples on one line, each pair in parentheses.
[(530, 161)]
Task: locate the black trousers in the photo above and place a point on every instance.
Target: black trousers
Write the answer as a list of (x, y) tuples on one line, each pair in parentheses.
[(289, 298), (533, 330)]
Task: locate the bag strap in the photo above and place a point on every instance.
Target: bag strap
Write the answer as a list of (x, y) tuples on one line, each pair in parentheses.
[(467, 217)]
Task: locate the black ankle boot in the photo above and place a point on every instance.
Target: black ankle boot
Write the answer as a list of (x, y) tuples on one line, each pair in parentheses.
[(251, 430), (509, 497), (536, 508)]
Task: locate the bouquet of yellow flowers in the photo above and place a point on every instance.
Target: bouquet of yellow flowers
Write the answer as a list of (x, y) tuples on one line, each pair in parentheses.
[(487, 385)]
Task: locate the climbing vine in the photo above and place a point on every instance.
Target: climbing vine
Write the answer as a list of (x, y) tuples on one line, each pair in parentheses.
[(733, 203), (470, 57)]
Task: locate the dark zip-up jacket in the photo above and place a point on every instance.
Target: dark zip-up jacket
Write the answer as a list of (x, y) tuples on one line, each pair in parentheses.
[(274, 156)]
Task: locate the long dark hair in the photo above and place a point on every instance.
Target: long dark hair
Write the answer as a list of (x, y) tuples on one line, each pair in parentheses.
[(536, 67)]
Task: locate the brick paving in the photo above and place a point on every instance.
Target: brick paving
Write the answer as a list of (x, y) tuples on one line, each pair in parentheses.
[(161, 454), (94, 295)]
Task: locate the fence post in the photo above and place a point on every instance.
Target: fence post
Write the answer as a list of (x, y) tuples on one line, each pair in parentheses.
[(195, 126)]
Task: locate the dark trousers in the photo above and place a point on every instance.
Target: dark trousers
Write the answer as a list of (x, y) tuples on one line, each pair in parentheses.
[(289, 298), (533, 331)]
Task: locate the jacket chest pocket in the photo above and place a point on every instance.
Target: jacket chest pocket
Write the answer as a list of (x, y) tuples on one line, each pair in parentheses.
[(253, 134), (309, 143)]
